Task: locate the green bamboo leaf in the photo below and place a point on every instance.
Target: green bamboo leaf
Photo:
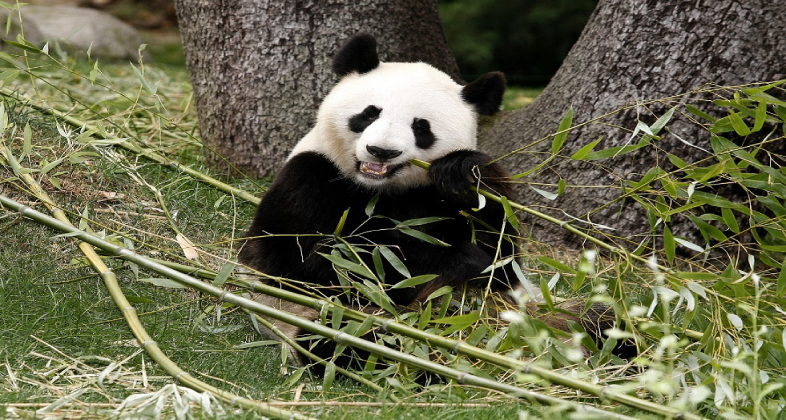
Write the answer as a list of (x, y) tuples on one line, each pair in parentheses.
[(341, 222), (372, 204), (442, 291), (584, 151), (27, 136), (349, 265), (163, 282), (669, 245), (562, 132), (376, 256), (337, 317), (510, 214), (25, 46), (414, 281), (330, 375), (699, 113), (730, 220), (150, 89), (544, 289), (420, 222), (752, 91), (478, 334), (617, 150), (578, 281), (294, 379), (676, 161), (458, 323), (708, 228), (662, 121), (425, 317), (9, 157), (556, 264), (696, 275), (738, 124), (422, 236), (688, 244), (781, 289), (224, 273), (546, 194), (561, 185), (498, 264), (9, 76), (761, 116)]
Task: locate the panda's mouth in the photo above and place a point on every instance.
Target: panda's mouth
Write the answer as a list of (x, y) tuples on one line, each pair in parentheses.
[(378, 170)]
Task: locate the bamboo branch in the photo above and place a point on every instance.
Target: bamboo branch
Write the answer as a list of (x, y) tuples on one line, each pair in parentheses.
[(139, 150), (130, 315), (335, 335), (456, 346)]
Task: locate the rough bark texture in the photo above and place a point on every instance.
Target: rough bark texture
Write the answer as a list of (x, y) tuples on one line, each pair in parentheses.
[(260, 67), (629, 51)]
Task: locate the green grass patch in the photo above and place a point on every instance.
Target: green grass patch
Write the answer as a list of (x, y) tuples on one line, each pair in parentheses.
[(712, 335)]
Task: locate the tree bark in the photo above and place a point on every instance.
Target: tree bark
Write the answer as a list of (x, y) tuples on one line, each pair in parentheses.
[(260, 68), (633, 51)]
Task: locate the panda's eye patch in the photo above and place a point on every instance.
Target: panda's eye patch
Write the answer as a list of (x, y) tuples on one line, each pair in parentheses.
[(424, 138), (359, 122)]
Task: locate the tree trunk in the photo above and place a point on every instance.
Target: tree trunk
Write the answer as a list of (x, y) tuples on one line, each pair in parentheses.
[(633, 51), (260, 68)]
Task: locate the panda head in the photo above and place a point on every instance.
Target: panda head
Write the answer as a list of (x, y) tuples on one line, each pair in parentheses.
[(381, 115)]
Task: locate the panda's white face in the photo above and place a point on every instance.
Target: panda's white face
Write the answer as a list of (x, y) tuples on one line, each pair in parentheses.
[(371, 125)]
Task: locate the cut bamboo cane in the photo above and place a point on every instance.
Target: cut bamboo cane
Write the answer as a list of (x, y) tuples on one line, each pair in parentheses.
[(335, 335), (130, 315), (456, 346)]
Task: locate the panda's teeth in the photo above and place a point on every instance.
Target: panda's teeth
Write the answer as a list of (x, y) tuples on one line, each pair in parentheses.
[(374, 168)]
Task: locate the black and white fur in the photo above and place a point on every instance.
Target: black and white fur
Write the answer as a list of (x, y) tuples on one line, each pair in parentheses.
[(376, 119)]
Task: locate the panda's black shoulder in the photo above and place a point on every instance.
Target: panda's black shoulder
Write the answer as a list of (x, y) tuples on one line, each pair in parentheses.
[(307, 167)]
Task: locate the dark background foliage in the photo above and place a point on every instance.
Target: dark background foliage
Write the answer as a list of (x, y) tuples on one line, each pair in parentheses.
[(526, 39)]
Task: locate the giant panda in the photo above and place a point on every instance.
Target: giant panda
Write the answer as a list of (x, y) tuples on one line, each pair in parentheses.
[(377, 118)]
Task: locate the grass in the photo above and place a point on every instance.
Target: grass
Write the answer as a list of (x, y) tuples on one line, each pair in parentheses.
[(56, 313), (62, 335)]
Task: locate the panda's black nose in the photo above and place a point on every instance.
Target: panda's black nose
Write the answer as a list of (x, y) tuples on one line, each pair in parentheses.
[(383, 154)]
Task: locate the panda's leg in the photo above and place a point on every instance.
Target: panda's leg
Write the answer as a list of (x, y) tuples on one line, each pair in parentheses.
[(289, 331), (594, 318)]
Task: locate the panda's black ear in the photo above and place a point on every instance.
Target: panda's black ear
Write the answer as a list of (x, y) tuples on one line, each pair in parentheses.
[(358, 54), (485, 93)]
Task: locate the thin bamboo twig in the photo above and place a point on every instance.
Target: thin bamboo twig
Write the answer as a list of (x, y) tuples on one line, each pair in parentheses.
[(135, 148), (456, 346), (302, 350), (129, 313), (562, 223), (335, 335)]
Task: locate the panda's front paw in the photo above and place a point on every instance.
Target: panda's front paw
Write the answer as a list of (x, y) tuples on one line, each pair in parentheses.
[(454, 174)]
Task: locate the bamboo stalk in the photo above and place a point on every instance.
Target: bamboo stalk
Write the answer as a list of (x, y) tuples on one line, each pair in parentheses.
[(456, 346), (562, 223), (335, 335), (131, 146), (302, 350), (130, 315)]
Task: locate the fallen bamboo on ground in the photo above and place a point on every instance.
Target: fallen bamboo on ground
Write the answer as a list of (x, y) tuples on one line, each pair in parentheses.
[(135, 148), (335, 335), (133, 321), (456, 346)]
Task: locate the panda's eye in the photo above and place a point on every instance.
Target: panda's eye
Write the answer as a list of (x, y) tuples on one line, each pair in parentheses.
[(371, 112), (424, 138), (359, 122)]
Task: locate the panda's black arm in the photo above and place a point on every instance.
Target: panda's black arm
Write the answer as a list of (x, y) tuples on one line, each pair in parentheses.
[(307, 197), (454, 174)]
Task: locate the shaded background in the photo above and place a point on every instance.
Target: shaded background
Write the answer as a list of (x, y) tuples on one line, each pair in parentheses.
[(525, 39)]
